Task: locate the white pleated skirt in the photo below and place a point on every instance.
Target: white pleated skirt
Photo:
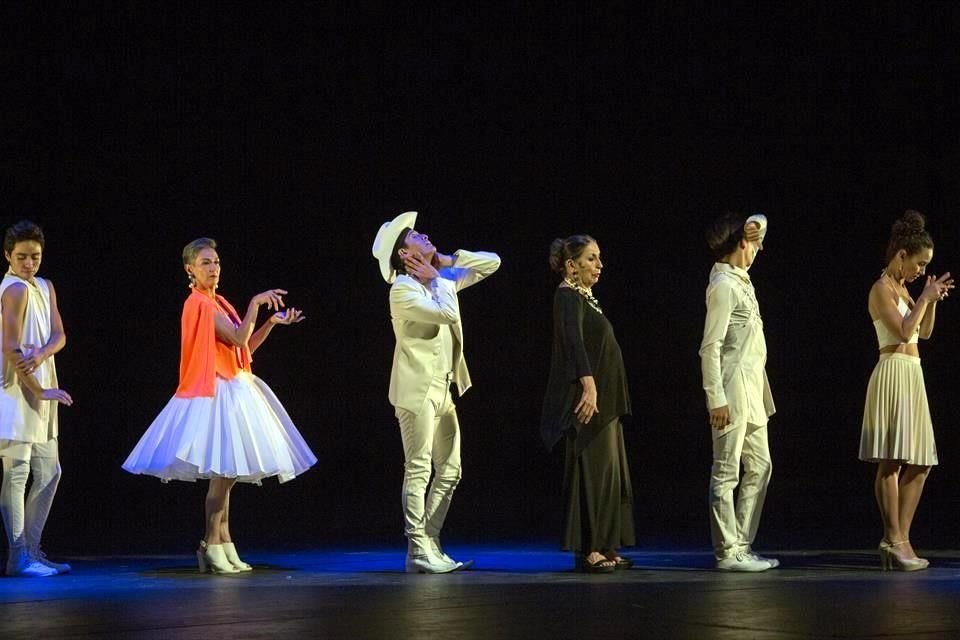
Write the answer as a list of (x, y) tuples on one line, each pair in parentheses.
[(242, 432), (896, 417)]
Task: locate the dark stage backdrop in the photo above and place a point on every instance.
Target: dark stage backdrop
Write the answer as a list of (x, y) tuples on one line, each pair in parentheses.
[(291, 131)]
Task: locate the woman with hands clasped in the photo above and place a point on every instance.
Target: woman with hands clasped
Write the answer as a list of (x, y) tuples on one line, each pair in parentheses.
[(224, 423), (586, 399), (897, 431)]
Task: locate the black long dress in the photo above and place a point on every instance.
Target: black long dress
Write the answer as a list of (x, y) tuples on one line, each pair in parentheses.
[(598, 495)]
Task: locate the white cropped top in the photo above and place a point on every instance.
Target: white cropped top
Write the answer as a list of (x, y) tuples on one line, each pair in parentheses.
[(887, 338)]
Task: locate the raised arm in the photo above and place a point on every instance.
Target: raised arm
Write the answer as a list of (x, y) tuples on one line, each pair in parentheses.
[(930, 317), (239, 336), (720, 303), (408, 302), (288, 316), (470, 267), (884, 301)]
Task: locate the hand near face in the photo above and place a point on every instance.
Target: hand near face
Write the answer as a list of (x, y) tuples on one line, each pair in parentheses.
[(288, 316), (420, 269), (751, 232)]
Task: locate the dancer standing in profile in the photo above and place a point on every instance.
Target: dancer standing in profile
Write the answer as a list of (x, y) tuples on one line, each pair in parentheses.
[(897, 431), (585, 403), (29, 429), (733, 357), (223, 424), (427, 359)]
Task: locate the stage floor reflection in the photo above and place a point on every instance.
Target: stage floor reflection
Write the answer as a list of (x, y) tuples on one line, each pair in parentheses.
[(512, 592)]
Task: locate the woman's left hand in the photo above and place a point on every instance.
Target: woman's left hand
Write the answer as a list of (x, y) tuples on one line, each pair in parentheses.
[(287, 316)]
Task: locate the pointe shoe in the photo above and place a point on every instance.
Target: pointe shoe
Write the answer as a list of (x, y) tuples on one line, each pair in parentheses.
[(230, 551), (20, 564), (37, 555), (210, 559)]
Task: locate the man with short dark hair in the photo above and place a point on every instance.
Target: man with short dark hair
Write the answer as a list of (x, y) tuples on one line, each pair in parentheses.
[(427, 359)]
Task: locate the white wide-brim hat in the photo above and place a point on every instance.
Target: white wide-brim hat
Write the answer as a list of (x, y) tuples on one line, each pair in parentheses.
[(761, 220), (386, 240)]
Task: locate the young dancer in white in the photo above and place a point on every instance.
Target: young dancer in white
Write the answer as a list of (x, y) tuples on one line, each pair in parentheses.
[(428, 358), (32, 333), (733, 358)]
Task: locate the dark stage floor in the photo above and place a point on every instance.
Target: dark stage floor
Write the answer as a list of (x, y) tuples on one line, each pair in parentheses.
[(515, 592)]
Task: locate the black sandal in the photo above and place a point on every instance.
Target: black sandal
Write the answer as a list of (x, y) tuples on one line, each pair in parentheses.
[(600, 566)]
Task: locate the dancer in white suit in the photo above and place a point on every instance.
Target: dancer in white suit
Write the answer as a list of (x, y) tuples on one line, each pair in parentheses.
[(428, 358), (32, 333), (733, 357)]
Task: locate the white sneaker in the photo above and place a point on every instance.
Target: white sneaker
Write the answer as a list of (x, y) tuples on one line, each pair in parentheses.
[(742, 562), (20, 564), (37, 555), (773, 562), (427, 563)]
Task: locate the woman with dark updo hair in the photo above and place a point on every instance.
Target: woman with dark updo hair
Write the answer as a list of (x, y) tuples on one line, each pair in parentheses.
[(897, 431), (586, 400)]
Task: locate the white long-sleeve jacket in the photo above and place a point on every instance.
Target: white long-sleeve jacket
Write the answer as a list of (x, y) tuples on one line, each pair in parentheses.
[(733, 353)]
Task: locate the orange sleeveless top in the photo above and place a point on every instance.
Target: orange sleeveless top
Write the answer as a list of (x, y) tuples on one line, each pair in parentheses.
[(203, 356)]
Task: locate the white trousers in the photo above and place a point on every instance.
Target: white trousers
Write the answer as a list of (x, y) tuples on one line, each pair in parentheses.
[(24, 516), (430, 438), (733, 525)]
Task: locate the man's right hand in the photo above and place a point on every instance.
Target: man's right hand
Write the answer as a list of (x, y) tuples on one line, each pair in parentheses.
[(420, 269), (720, 417)]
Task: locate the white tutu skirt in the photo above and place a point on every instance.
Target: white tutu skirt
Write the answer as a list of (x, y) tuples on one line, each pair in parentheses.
[(896, 417), (242, 432)]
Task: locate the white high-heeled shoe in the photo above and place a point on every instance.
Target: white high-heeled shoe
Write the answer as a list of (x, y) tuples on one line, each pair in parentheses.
[(230, 551), (211, 559)]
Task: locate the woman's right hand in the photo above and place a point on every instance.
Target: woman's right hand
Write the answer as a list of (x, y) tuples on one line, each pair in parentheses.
[(273, 298), (587, 407), (937, 288), (56, 395)]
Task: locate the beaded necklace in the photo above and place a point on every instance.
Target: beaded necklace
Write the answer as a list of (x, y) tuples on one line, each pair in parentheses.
[(586, 293)]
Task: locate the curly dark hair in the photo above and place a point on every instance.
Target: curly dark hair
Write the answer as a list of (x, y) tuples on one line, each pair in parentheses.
[(909, 233)]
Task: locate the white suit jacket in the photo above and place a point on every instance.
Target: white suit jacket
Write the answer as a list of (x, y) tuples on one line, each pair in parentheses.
[(417, 312)]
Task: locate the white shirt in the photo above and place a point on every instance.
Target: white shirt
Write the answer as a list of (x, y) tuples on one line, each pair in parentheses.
[(733, 353), (23, 416)]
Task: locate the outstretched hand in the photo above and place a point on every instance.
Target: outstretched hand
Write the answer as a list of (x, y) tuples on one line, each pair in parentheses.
[(272, 298), (288, 316)]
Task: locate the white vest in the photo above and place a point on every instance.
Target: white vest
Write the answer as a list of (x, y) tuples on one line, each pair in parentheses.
[(23, 416)]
